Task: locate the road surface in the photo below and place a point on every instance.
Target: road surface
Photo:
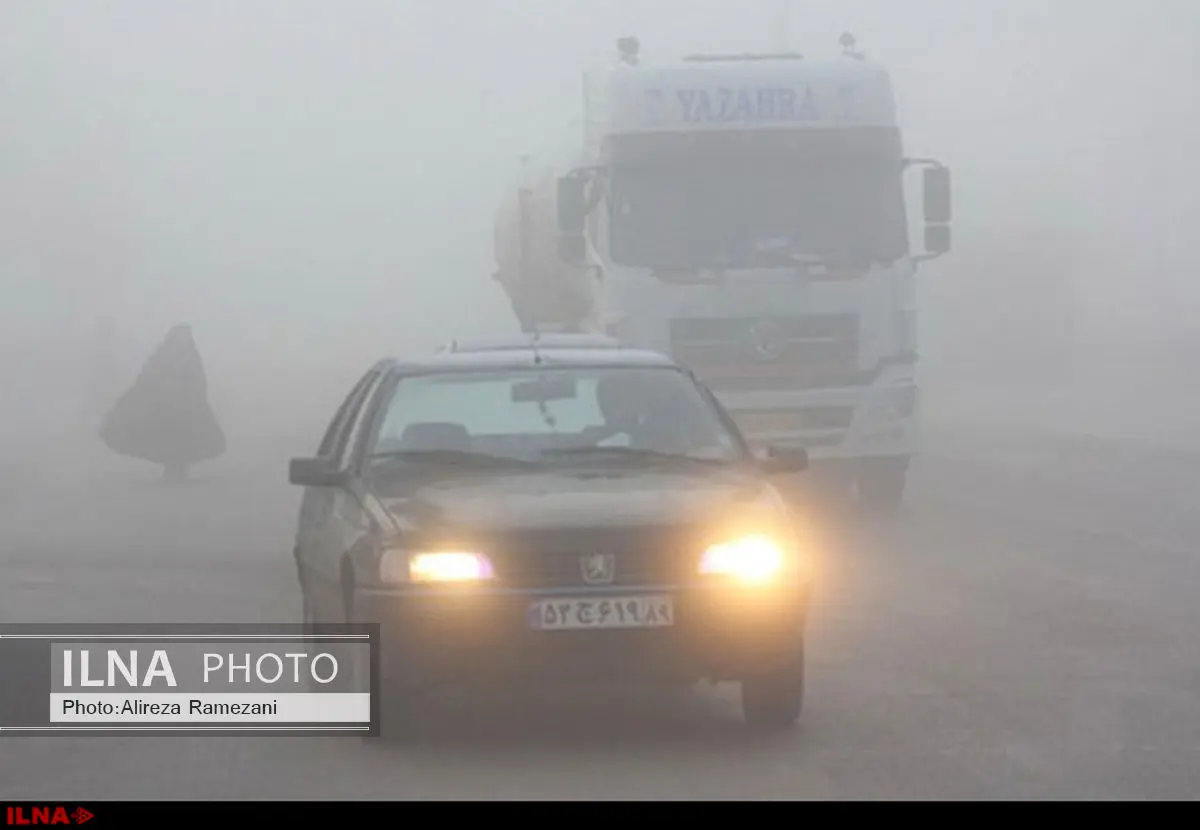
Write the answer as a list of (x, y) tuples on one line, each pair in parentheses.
[(1026, 629)]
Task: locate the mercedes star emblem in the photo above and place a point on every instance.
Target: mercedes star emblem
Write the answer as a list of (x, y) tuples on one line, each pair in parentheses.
[(768, 340)]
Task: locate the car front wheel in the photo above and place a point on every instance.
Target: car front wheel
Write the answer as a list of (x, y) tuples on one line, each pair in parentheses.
[(309, 622), (396, 701), (774, 699)]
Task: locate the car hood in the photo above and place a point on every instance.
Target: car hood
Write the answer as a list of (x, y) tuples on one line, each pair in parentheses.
[(563, 501)]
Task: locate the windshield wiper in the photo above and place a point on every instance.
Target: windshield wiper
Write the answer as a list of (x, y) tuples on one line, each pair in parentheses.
[(635, 452), (451, 457)]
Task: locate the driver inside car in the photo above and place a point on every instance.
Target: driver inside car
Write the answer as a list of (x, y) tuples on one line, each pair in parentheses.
[(634, 409)]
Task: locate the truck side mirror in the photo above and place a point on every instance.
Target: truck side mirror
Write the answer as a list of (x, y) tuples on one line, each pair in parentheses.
[(937, 195), (937, 239), (572, 248), (572, 205)]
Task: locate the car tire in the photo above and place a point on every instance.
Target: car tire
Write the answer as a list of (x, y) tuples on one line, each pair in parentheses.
[(774, 699), (881, 485), (397, 709), (395, 702), (308, 616)]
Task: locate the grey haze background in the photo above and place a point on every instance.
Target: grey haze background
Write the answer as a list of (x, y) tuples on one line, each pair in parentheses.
[(311, 184)]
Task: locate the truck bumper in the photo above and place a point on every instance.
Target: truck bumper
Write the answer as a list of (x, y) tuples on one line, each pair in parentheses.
[(834, 424)]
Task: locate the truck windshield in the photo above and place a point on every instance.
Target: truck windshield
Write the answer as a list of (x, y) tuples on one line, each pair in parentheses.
[(755, 213)]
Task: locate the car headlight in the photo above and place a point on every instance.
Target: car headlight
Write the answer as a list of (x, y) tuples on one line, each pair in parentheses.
[(750, 559), (435, 566)]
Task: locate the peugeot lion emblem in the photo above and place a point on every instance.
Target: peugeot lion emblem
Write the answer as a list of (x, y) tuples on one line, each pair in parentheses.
[(598, 568), (767, 340)]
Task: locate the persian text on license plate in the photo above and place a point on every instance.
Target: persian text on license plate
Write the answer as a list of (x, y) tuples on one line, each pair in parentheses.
[(615, 612)]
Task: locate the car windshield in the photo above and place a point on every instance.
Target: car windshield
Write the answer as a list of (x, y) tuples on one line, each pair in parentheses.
[(480, 419)]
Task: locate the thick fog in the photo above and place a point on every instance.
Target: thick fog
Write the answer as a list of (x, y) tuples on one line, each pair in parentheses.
[(311, 185)]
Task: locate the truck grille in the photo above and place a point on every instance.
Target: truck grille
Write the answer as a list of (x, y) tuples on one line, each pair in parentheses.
[(809, 418), (750, 353)]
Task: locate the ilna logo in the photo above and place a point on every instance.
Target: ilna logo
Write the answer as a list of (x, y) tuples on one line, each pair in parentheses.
[(23, 816)]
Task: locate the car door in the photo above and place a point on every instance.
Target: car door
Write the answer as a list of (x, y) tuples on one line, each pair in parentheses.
[(346, 529), (321, 508)]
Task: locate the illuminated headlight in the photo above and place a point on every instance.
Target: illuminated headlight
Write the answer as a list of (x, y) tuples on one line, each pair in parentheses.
[(435, 566), (750, 559)]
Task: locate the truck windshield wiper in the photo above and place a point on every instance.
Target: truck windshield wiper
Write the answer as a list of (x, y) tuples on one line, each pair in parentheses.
[(635, 452), (450, 457)]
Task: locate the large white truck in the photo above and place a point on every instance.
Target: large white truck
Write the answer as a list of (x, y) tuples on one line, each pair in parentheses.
[(745, 214)]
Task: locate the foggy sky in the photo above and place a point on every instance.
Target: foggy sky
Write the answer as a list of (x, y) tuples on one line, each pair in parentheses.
[(311, 184)]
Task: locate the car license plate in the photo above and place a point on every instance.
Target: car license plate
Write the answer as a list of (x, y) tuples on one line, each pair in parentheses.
[(617, 612)]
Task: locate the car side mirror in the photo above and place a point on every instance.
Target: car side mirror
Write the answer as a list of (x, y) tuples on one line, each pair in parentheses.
[(784, 461), (314, 472)]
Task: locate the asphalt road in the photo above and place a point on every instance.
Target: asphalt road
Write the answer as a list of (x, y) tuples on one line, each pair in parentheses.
[(1027, 628)]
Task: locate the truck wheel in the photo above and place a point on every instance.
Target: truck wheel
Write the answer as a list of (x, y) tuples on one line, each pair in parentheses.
[(881, 484), (773, 700)]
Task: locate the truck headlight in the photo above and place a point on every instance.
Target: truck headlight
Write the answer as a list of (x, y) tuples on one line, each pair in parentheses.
[(435, 566), (750, 559), (903, 402), (894, 404)]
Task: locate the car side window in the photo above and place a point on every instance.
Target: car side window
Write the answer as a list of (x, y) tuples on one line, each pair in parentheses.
[(329, 443), (358, 421)]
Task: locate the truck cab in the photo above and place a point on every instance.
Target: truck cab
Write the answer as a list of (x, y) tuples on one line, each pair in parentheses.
[(746, 215)]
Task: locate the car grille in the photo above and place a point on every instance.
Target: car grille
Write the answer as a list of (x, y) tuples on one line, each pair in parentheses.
[(800, 352), (554, 561)]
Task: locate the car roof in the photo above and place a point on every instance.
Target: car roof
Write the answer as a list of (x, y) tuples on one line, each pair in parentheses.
[(509, 355), (570, 340)]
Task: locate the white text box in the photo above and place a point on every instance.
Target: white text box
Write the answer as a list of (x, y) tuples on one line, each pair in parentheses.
[(201, 708)]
